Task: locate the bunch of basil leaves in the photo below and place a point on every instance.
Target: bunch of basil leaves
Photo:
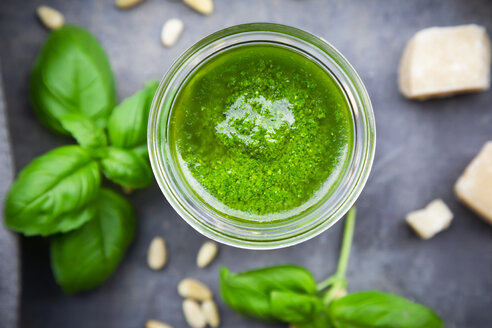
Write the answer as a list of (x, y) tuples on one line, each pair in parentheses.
[(60, 193), (290, 294)]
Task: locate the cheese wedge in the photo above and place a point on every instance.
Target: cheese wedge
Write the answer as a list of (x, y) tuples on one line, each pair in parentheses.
[(442, 61), (474, 187), (434, 218)]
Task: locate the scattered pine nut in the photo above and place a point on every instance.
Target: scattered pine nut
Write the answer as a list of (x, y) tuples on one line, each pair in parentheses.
[(211, 313), (206, 254), (157, 253), (202, 6), (193, 314), (194, 289), (171, 31), (124, 4), (156, 324), (51, 18)]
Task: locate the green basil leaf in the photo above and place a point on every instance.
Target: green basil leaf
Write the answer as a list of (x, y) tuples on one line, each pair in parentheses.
[(249, 292), (51, 193), (294, 307), (126, 167), (86, 257), (86, 132), (127, 127), (142, 151), (376, 309), (320, 320), (72, 75)]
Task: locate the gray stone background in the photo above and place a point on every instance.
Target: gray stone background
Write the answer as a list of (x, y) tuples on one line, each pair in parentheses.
[(421, 150)]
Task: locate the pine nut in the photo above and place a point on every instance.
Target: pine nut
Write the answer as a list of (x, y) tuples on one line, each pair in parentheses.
[(211, 313), (193, 314), (206, 254), (156, 324), (157, 253), (171, 31), (51, 18), (194, 289), (202, 6), (124, 4)]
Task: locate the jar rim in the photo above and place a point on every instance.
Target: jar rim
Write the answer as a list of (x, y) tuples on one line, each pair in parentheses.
[(276, 234)]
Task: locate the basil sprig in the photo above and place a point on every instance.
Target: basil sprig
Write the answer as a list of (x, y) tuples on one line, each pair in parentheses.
[(376, 309), (59, 193), (84, 258), (84, 130), (51, 194), (288, 293), (126, 167), (250, 293), (127, 127), (72, 74)]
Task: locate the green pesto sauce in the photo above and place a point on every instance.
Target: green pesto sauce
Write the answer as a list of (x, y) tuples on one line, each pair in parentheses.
[(261, 129)]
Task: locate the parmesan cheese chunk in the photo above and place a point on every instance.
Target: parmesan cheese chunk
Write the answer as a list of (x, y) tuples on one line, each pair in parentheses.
[(474, 187), (442, 61), (430, 220)]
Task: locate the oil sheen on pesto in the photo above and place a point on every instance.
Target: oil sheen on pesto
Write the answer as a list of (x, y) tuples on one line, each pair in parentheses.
[(261, 129)]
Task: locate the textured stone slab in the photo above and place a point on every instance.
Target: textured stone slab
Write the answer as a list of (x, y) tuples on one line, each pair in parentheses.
[(422, 149)]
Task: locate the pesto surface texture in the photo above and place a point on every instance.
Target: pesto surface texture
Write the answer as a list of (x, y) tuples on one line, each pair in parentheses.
[(261, 130)]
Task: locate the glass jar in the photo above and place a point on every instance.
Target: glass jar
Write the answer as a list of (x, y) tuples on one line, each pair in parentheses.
[(246, 233)]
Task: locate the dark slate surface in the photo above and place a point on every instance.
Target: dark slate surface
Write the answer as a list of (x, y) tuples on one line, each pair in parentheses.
[(422, 149)]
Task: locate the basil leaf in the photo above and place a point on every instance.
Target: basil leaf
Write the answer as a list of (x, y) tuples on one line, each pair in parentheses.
[(86, 132), (320, 320), (51, 193), (142, 151), (376, 309), (294, 307), (86, 257), (249, 292), (127, 127), (72, 75), (126, 167)]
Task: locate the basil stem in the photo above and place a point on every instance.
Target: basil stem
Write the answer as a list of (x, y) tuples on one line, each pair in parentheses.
[(338, 281), (348, 235)]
